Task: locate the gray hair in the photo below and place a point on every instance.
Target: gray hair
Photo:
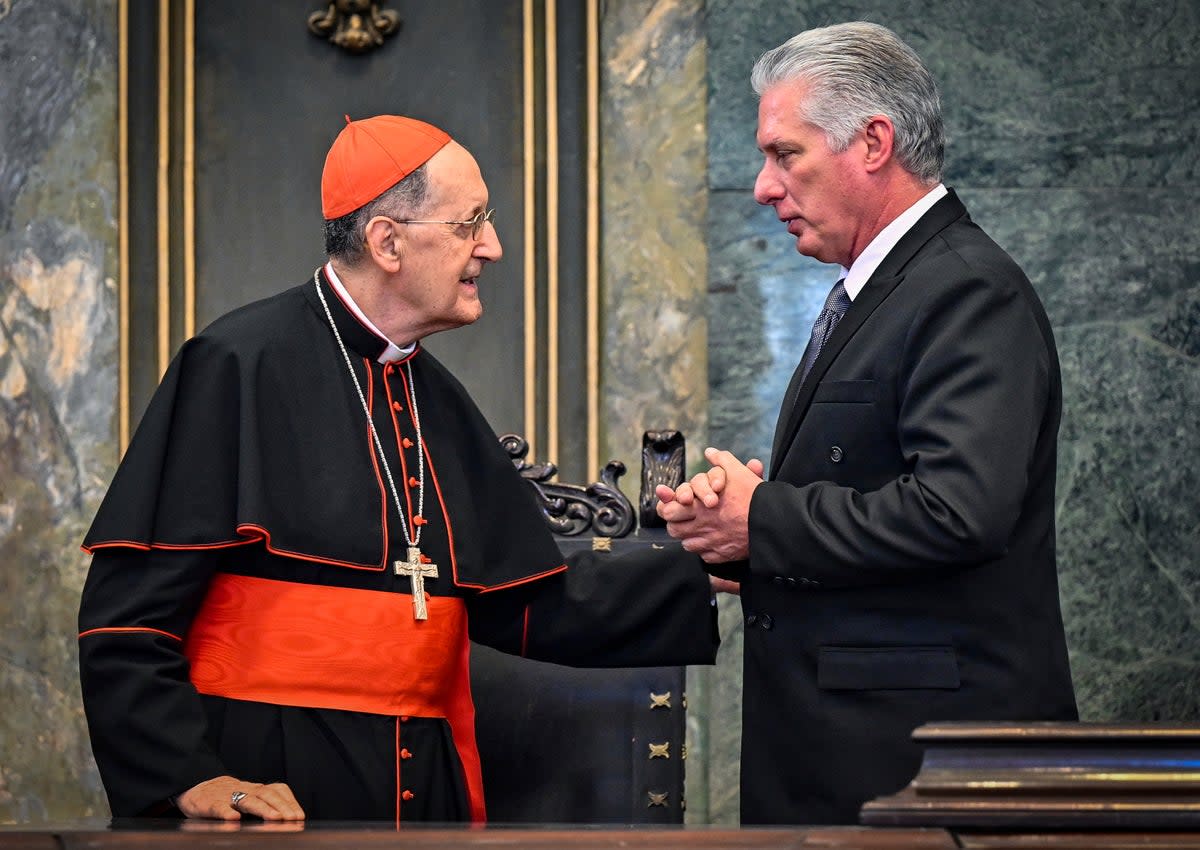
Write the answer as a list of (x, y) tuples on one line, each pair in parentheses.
[(856, 70), (345, 237)]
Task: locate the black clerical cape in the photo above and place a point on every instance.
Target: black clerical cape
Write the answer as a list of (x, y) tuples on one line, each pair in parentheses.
[(243, 616)]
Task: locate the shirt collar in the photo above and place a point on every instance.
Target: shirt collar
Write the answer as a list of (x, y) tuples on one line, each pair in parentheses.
[(860, 271), (393, 351)]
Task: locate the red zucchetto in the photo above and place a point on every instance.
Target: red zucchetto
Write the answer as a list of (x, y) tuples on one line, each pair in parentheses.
[(372, 155)]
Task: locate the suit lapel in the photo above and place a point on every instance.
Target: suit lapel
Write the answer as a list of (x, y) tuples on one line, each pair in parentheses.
[(886, 278)]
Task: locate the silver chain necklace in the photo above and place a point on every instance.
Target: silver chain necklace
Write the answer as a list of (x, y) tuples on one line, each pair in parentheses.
[(415, 568)]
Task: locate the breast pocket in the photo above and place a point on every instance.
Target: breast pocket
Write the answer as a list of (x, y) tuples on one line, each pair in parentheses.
[(868, 668), (844, 435), (844, 392)]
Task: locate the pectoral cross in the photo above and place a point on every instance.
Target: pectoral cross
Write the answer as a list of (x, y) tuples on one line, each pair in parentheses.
[(417, 571)]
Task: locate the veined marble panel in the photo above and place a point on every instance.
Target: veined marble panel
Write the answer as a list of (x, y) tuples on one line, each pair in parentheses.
[(1129, 514), (653, 241), (1035, 94), (58, 383), (1096, 255), (722, 763), (1117, 269)]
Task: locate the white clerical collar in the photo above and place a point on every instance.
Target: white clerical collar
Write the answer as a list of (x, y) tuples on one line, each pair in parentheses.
[(393, 351), (860, 271)]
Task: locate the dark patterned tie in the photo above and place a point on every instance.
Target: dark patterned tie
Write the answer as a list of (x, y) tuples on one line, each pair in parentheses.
[(835, 307)]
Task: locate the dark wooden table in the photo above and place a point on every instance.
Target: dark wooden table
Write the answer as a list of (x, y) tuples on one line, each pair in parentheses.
[(99, 835), (256, 835)]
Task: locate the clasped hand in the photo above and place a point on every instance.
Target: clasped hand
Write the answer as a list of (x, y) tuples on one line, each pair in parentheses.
[(710, 515)]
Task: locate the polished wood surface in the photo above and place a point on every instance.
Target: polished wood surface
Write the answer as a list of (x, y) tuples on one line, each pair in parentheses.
[(194, 834), (1043, 777), (142, 835), (1081, 841)]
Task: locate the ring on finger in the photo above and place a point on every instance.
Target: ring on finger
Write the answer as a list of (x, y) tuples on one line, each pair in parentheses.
[(236, 798)]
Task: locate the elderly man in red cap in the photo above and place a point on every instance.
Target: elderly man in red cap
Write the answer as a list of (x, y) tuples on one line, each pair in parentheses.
[(313, 520)]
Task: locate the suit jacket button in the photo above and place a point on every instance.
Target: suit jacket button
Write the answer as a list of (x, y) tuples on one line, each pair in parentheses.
[(766, 621), (791, 582), (751, 620), (778, 580), (835, 454)]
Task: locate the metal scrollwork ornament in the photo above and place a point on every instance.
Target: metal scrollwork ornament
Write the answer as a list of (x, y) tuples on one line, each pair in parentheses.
[(572, 509), (354, 25)]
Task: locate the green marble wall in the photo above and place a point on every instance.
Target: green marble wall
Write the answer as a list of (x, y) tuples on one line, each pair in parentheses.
[(58, 376), (1072, 133)]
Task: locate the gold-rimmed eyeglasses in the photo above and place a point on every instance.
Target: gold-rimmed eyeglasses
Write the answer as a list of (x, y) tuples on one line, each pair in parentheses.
[(476, 222)]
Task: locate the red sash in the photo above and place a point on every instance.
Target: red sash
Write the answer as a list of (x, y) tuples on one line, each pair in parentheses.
[(313, 646)]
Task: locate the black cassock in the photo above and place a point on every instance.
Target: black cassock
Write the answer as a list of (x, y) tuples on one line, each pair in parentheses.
[(243, 616)]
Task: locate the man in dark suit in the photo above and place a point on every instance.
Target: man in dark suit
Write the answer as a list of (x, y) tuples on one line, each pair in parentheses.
[(897, 565)]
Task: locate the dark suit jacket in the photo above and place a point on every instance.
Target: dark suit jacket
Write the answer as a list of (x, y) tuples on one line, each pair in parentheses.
[(902, 565)]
